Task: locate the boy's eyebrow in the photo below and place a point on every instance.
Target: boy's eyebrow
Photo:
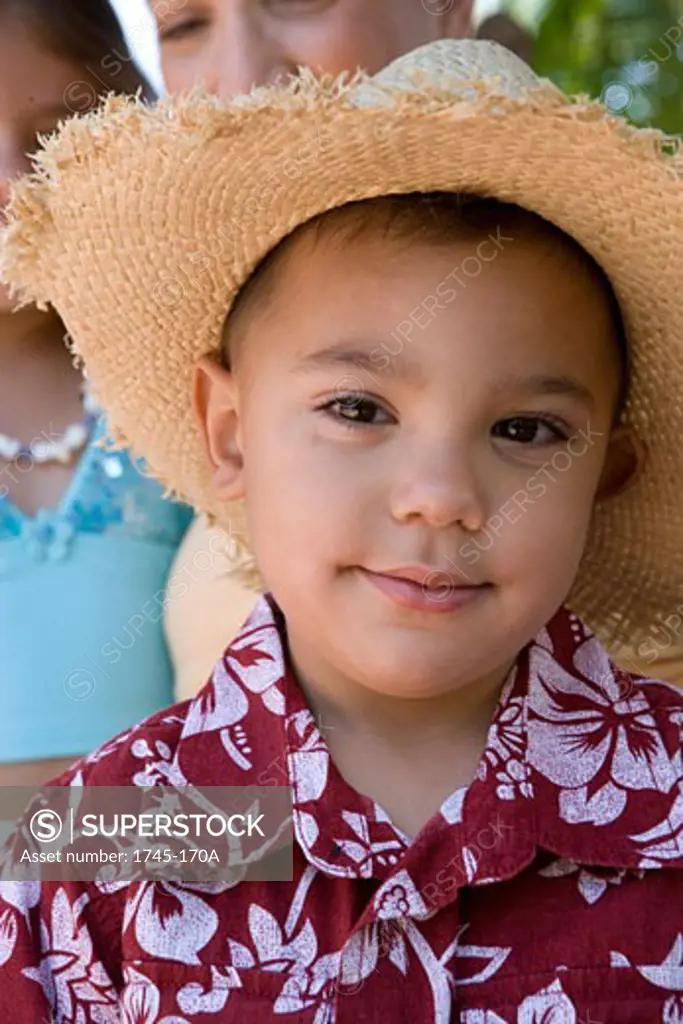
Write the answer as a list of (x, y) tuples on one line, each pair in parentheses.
[(548, 384), (347, 353)]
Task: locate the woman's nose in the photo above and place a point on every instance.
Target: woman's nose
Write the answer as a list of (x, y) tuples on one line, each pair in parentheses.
[(245, 55)]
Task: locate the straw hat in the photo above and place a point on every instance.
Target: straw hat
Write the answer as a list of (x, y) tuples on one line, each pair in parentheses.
[(140, 224)]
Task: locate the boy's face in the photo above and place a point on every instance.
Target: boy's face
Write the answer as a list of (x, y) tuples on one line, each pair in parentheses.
[(382, 420), (230, 45)]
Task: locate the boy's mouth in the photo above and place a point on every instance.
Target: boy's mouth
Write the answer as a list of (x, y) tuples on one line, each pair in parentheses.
[(425, 588)]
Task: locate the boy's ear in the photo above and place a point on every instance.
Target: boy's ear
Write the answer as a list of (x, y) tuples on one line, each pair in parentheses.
[(624, 461), (216, 408), (457, 18)]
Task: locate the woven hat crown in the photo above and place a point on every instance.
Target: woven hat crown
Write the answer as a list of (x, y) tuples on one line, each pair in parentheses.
[(451, 65)]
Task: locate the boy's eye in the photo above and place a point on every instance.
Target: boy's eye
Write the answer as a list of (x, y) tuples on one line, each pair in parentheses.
[(356, 409), (530, 430)]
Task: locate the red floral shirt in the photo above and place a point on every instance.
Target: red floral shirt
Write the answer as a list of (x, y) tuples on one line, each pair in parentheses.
[(549, 891)]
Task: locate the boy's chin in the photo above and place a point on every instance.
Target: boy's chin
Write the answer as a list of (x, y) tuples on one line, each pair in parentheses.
[(420, 677)]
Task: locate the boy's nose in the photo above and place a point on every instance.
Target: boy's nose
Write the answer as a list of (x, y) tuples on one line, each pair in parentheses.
[(441, 490), (244, 55)]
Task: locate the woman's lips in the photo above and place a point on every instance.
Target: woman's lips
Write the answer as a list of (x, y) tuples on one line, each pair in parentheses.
[(428, 590)]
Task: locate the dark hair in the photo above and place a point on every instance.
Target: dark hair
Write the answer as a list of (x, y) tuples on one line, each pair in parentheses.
[(435, 218), (503, 29), (88, 33)]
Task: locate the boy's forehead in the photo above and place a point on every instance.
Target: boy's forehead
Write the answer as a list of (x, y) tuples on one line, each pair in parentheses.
[(376, 301), (319, 260)]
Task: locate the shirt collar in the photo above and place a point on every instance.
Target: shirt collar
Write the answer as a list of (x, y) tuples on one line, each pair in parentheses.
[(581, 760)]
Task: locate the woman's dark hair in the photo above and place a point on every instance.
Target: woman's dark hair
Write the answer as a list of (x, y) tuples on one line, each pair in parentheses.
[(87, 33)]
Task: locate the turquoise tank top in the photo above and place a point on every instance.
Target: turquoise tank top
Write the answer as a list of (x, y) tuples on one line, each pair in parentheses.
[(82, 652)]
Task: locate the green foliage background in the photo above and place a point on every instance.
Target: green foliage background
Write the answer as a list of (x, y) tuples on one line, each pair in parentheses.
[(628, 51)]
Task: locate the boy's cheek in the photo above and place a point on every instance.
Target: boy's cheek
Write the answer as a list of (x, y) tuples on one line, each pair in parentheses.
[(538, 525)]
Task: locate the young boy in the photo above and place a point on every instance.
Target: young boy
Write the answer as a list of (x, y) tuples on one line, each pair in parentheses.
[(440, 425), (229, 46)]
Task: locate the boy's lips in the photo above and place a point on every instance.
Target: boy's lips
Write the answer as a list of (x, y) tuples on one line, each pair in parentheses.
[(424, 588)]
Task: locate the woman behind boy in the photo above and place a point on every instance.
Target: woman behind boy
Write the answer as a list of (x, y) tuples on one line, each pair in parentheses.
[(85, 540)]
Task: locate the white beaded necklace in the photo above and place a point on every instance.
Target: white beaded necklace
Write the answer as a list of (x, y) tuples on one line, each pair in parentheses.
[(44, 448)]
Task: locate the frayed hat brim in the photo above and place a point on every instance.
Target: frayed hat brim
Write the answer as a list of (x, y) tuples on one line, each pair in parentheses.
[(140, 224)]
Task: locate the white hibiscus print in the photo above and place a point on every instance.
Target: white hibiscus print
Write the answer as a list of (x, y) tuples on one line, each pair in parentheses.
[(673, 1011), (8, 935), (252, 665), (395, 901), (506, 736), (171, 922), (363, 951), (309, 764), (492, 959), (74, 981), (481, 1017), (23, 896), (141, 999), (159, 767), (513, 781), (194, 998), (315, 987), (452, 807), (399, 897), (309, 980), (667, 975), (664, 842), (591, 883), (593, 731), (107, 749), (255, 659), (362, 851), (549, 1006)]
